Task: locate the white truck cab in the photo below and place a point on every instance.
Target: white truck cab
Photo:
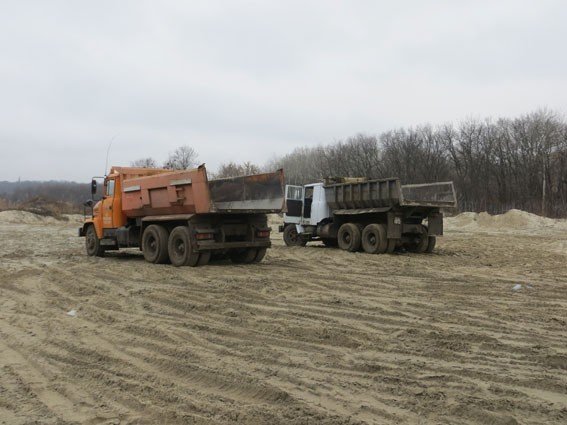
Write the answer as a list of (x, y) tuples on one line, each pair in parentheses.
[(306, 205), (306, 208)]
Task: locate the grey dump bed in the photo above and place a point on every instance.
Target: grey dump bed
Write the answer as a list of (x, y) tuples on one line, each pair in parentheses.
[(429, 195), (260, 193), (383, 194)]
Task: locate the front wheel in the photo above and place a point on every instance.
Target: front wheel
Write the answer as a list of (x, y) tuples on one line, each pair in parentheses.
[(92, 243), (291, 237)]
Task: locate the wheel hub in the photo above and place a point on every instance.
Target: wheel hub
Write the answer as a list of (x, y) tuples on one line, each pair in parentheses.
[(180, 246)]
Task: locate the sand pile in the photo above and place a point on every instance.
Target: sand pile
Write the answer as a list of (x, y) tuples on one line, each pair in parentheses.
[(274, 220), (25, 217), (513, 220)]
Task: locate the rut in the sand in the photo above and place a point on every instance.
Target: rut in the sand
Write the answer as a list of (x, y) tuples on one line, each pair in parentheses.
[(311, 335)]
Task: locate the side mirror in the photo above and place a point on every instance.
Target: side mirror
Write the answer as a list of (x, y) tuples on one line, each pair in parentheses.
[(89, 203), (93, 187)]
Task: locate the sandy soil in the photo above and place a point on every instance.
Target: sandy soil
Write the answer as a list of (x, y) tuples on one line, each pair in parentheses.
[(311, 335)]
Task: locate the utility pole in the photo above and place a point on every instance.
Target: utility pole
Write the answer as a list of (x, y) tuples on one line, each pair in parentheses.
[(543, 189), (552, 150)]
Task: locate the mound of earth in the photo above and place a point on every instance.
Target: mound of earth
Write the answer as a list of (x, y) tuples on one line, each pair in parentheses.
[(513, 220), (46, 207), (26, 217)]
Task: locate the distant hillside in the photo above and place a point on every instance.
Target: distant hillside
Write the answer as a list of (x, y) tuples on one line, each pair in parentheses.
[(67, 195)]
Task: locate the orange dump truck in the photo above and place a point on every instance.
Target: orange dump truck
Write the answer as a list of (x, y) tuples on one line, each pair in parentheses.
[(181, 217)]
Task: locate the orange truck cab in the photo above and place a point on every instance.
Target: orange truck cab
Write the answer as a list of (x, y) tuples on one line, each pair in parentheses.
[(181, 217)]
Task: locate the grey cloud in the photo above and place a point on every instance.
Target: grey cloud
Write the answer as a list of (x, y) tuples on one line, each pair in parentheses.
[(247, 80)]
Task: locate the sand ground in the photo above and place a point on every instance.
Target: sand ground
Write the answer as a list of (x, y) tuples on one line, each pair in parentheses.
[(311, 335)]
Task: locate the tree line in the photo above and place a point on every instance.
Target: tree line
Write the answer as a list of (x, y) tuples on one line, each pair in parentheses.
[(68, 197), (496, 165)]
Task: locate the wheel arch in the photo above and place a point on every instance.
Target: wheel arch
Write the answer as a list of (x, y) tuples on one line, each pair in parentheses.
[(86, 226)]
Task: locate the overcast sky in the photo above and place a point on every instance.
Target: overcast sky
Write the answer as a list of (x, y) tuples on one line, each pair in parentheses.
[(247, 80)]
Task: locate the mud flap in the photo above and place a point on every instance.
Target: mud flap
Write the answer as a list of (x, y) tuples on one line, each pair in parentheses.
[(394, 229), (435, 224)]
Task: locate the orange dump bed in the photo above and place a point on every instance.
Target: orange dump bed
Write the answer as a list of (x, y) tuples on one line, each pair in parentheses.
[(190, 192)]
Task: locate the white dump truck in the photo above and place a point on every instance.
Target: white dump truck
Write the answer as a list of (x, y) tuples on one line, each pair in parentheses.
[(377, 216)]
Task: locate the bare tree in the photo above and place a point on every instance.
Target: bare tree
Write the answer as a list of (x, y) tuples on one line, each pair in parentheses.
[(496, 165), (232, 169), (144, 163), (182, 158)]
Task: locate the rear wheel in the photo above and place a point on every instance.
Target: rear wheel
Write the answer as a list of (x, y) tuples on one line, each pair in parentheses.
[(432, 240), (420, 243), (204, 258), (243, 256), (260, 254), (374, 239), (179, 247), (329, 241), (291, 237), (154, 244), (92, 243), (391, 245), (349, 237)]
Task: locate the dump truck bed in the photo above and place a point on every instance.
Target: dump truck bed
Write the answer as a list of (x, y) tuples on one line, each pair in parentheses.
[(384, 194), (190, 192)]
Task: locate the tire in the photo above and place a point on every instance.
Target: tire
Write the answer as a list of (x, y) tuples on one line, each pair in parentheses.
[(374, 240), (204, 258), (349, 237), (179, 248), (243, 256), (432, 240), (92, 243), (154, 244), (392, 243), (218, 255), (260, 254), (329, 242), (291, 237), (420, 246)]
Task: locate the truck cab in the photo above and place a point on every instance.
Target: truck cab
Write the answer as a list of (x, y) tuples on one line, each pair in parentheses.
[(107, 213), (306, 207)]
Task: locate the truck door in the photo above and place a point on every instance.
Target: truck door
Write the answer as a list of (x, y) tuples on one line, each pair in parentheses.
[(294, 201), (107, 204), (307, 202), (319, 207)]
